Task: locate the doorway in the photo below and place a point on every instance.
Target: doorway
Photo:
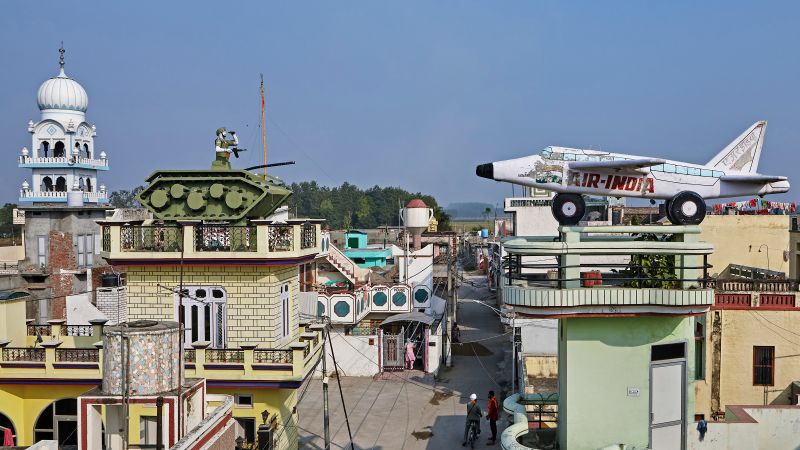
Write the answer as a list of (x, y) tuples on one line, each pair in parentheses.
[(668, 396)]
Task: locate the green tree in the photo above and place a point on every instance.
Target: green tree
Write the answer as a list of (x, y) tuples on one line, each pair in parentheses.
[(125, 199)]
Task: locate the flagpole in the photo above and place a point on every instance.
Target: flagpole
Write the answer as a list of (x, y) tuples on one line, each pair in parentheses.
[(263, 129)]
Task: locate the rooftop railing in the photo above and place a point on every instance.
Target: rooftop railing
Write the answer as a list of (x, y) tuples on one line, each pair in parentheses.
[(225, 238), (151, 238)]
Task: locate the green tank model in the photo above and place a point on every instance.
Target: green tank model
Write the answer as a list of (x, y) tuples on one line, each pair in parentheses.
[(219, 194)]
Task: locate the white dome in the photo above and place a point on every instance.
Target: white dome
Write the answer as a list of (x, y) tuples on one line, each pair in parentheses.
[(62, 92)]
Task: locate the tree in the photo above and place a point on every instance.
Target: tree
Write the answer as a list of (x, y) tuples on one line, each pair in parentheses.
[(364, 213), (7, 220), (126, 199)]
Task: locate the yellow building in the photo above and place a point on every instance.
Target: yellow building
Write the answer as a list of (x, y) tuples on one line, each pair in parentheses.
[(753, 241), (748, 344)]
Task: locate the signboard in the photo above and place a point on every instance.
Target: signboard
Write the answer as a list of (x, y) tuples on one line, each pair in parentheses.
[(18, 217)]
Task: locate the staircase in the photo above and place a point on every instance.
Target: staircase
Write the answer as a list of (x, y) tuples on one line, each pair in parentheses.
[(354, 274)]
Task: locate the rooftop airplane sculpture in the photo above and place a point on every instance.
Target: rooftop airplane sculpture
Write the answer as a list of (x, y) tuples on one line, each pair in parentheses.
[(572, 172)]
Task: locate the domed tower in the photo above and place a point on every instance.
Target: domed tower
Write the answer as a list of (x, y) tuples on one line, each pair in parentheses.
[(63, 158)]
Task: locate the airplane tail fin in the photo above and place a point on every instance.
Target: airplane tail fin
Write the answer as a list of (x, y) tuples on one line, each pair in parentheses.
[(744, 152)]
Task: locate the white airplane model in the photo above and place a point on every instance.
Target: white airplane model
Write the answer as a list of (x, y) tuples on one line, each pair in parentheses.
[(572, 172)]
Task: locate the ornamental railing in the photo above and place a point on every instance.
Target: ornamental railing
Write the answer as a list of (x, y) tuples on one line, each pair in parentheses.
[(281, 238), (272, 356), (308, 236), (77, 355), (106, 238), (224, 356), (151, 238), (39, 330), (13, 354), (76, 330), (189, 356), (225, 238)]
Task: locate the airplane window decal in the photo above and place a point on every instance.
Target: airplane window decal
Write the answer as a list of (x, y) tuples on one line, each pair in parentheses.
[(694, 171), (682, 170), (669, 168)]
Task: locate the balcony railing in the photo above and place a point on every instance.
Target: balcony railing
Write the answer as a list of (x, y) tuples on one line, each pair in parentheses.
[(77, 355), (308, 236), (103, 162), (14, 354), (225, 238), (271, 356), (76, 330), (39, 330), (224, 356), (189, 356), (151, 238), (59, 195), (106, 238), (742, 285), (281, 238)]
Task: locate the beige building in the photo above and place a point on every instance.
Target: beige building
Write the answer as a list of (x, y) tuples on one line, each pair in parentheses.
[(755, 241), (748, 342)]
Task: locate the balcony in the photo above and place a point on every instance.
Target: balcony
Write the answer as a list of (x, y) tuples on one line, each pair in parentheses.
[(194, 242), (78, 163), (71, 352), (27, 195), (608, 270)]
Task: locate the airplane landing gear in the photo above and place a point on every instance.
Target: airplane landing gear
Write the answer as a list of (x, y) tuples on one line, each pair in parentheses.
[(568, 209), (686, 208)]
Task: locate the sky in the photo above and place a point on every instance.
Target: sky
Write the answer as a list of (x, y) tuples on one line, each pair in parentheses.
[(412, 94)]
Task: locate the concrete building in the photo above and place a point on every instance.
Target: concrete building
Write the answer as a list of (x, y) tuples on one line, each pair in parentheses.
[(63, 201), (747, 240), (625, 348)]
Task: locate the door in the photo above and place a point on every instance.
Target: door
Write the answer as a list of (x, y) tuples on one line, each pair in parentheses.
[(393, 357), (667, 405)]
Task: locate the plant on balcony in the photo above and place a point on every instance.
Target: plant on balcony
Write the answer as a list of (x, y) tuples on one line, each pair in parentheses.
[(652, 271)]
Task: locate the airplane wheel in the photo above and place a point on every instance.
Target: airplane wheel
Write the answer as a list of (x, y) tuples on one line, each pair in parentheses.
[(568, 209), (667, 205), (687, 208)]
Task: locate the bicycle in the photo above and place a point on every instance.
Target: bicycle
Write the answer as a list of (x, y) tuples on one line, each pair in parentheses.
[(472, 434)]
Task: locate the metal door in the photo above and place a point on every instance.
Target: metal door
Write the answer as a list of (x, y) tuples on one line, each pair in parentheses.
[(667, 405), (393, 357)]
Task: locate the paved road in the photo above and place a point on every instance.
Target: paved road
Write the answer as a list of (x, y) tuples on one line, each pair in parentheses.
[(407, 411)]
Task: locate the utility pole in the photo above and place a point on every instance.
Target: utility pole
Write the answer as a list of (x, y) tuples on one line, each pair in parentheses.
[(451, 300), (325, 406)]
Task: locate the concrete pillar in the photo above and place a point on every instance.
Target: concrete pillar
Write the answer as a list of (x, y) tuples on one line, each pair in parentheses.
[(92, 426), (114, 426)]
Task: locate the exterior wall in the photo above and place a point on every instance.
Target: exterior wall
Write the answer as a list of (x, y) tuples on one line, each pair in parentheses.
[(741, 330), (539, 336), (113, 302), (355, 355), (737, 239), (253, 305), (766, 428), (276, 401), (599, 359), (22, 404), (12, 327)]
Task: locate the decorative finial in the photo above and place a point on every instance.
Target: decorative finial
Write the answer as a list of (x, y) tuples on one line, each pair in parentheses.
[(61, 58)]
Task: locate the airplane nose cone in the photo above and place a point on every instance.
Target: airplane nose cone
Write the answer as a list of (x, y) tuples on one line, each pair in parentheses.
[(485, 171)]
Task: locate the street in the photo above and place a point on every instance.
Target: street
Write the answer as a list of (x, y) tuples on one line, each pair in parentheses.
[(404, 410)]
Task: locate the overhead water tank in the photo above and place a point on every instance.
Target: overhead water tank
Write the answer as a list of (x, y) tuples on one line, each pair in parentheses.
[(144, 355), (75, 198)]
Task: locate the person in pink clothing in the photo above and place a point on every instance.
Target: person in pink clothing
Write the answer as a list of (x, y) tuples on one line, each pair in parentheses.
[(410, 356)]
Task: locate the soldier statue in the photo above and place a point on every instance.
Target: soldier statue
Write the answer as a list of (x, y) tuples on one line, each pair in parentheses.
[(225, 145)]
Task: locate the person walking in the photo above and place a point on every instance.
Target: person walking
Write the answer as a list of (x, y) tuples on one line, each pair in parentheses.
[(410, 356), (492, 414), (474, 415)]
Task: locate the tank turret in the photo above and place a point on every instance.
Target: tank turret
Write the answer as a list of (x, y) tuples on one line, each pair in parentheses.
[(217, 194)]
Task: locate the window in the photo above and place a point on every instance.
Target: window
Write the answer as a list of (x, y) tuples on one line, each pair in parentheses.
[(244, 400), (206, 315), (681, 170), (569, 157), (85, 250), (699, 348), (705, 172), (669, 168), (147, 430), (546, 153), (41, 250), (285, 312), (667, 351), (694, 171), (763, 366)]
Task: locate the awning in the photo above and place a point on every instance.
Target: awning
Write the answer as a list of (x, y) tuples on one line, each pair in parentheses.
[(410, 317)]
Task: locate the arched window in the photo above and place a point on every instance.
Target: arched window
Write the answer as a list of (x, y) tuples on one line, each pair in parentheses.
[(47, 184), (44, 149), (206, 315), (58, 422), (5, 422), (88, 185), (86, 150), (80, 184), (61, 184), (58, 151)]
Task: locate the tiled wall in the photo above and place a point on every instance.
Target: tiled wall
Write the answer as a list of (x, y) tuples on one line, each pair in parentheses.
[(253, 307)]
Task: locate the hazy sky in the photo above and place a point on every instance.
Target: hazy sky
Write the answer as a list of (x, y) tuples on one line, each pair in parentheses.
[(411, 94)]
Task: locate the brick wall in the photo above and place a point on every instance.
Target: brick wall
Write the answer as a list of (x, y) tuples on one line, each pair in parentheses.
[(253, 305), (113, 303)]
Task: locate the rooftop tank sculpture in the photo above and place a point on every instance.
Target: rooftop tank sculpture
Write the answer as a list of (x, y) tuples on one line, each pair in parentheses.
[(220, 193)]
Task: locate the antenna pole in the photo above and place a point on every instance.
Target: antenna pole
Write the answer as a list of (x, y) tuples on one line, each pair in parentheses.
[(263, 129)]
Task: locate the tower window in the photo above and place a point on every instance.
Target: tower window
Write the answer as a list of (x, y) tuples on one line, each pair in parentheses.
[(47, 184), (58, 151), (61, 184), (86, 150), (44, 149)]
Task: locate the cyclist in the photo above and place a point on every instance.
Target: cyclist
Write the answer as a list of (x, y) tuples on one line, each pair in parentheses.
[(474, 415)]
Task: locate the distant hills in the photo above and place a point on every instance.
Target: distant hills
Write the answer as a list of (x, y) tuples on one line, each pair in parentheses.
[(471, 210)]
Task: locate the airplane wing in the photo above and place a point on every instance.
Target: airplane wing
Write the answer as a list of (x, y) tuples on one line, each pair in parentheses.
[(622, 164), (753, 178)]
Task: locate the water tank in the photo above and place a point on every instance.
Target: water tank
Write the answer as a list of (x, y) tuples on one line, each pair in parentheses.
[(484, 233), (109, 280), (143, 353), (416, 216), (75, 198)]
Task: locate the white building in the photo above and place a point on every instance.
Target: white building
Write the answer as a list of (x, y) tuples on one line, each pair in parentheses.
[(63, 157)]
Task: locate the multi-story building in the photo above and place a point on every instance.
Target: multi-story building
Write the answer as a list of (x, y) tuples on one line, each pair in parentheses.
[(63, 199)]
